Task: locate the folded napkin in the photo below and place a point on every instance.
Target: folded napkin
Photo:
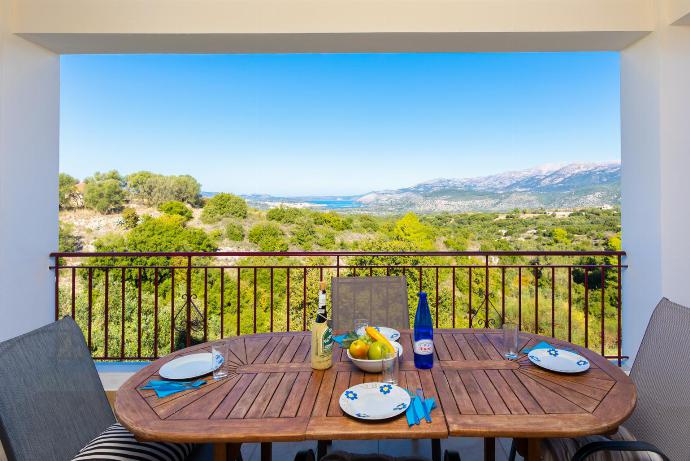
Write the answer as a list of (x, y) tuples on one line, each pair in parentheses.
[(166, 388), (543, 345), (415, 412), (339, 338)]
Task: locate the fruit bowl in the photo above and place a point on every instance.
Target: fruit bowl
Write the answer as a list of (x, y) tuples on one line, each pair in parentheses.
[(373, 366)]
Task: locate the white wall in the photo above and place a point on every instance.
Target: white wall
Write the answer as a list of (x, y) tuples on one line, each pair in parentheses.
[(29, 130), (655, 117)]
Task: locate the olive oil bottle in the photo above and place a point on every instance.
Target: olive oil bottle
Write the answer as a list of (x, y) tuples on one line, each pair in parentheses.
[(321, 335)]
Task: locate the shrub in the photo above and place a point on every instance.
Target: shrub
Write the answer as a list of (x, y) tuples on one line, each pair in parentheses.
[(333, 220), (174, 207), (168, 233), (216, 235), (68, 240), (560, 236), (234, 232), (268, 237), (130, 218), (284, 214), (326, 240), (368, 223), (223, 206), (304, 236), (104, 192)]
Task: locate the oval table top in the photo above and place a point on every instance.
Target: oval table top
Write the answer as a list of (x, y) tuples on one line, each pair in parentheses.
[(272, 394)]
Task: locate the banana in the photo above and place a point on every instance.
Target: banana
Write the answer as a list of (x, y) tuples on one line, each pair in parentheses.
[(371, 331)]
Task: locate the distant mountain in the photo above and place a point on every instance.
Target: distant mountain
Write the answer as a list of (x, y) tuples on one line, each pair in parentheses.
[(551, 186), (575, 185)]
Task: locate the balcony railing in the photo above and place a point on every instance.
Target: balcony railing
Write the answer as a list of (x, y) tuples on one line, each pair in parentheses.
[(139, 306)]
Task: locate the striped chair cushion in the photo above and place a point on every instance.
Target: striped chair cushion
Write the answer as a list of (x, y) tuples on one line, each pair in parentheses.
[(564, 449), (118, 444)]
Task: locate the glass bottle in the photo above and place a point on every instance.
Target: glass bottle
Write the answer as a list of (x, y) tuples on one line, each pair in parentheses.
[(423, 335)]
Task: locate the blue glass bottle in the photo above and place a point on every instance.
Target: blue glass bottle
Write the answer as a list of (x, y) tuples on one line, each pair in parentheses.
[(423, 335)]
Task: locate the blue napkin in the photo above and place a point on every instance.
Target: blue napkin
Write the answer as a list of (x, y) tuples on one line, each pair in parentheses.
[(543, 345), (166, 388), (415, 412), (339, 339)]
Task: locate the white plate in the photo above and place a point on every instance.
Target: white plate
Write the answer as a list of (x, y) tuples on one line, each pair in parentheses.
[(559, 360), (391, 334), (373, 401), (188, 366)]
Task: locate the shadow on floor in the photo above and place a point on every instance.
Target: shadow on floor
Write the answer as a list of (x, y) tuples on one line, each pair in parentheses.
[(469, 449)]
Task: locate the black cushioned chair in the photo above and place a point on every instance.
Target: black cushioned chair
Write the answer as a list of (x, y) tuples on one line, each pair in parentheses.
[(52, 402), (659, 428)]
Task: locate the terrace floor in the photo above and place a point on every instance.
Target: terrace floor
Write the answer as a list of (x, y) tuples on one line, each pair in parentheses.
[(470, 449)]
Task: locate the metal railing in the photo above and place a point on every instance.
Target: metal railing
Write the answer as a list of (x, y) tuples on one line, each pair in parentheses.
[(138, 306)]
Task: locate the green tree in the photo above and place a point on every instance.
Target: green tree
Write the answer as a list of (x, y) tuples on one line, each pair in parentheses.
[(268, 237), (104, 192), (130, 218), (409, 228), (174, 207), (234, 232), (223, 206), (68, 195), (155, 189)]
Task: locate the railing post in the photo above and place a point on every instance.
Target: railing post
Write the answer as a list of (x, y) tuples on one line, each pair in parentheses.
[(620, 339), (57, 288), (188, 336), (486, 292)]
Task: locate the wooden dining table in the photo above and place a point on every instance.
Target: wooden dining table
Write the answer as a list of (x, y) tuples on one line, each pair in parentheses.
[(273, 395)]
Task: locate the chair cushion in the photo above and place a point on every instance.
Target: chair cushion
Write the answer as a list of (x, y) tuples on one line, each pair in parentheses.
[(118, 444), (564, 449)]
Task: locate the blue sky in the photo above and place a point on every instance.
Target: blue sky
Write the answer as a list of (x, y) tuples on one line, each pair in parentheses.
[(335, 124)]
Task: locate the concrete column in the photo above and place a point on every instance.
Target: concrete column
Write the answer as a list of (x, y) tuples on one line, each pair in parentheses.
[(29, 144), (655, 112)]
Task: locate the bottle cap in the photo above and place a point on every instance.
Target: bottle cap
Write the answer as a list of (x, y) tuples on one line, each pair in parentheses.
[(322, 286)]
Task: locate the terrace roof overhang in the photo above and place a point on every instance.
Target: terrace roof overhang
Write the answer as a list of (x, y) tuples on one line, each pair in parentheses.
[(302, 26)]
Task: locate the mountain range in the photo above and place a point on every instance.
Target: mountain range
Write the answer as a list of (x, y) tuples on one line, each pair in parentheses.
[(574, 185)]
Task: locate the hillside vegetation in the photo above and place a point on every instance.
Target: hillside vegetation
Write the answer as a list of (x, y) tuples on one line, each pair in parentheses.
[(155, 213)]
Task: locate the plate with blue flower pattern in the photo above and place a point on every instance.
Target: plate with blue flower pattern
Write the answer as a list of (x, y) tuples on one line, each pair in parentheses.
[(558, 360), (374, 401)]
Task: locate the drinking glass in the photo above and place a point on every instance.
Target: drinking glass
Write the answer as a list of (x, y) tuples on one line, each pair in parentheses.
[(510, 340), (361, 323), (219, 352), (390, 367)]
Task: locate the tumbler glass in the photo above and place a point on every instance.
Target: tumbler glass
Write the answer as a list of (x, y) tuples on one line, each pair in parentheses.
[(360, 324), (390, 367), (219, 352), (510, 340)]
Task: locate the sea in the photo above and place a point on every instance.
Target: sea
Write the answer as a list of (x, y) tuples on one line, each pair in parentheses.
[(335, 204)]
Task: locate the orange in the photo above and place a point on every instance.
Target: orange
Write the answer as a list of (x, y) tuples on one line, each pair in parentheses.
[(359, 349)]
